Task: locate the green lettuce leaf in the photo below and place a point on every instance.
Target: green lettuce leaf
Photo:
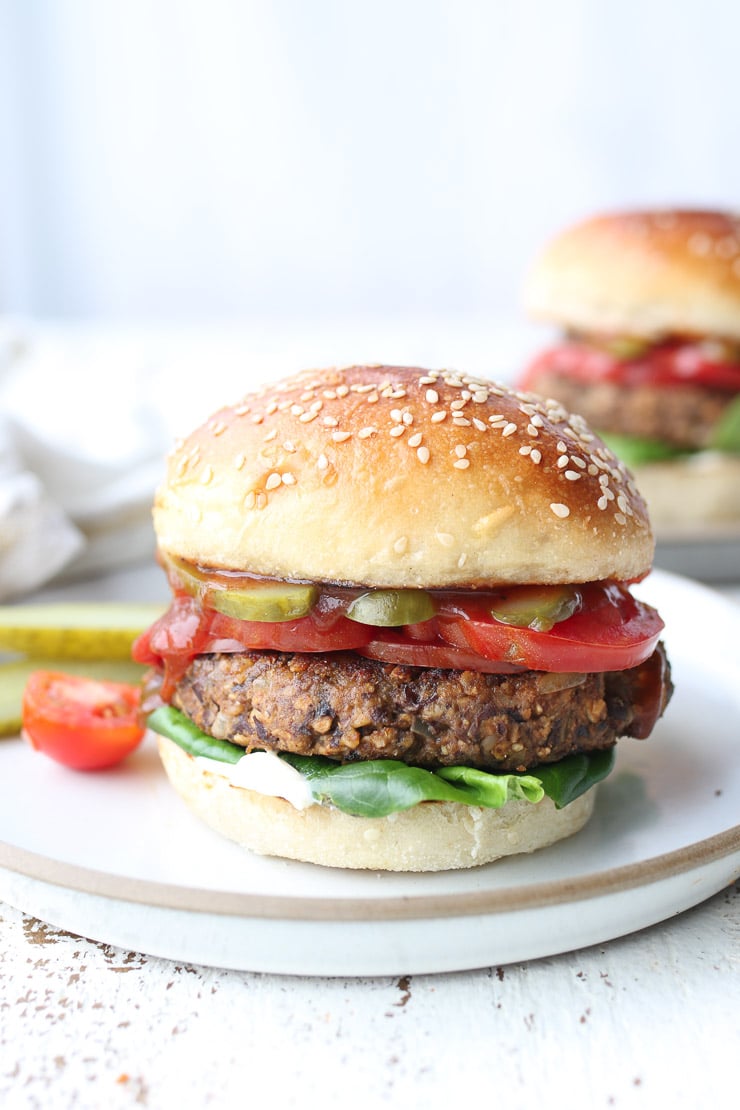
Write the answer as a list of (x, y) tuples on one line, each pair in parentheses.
[(377, 787), (726, 435), (635, 450)]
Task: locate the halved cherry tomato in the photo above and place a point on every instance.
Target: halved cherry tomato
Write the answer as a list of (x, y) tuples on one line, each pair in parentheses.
[(81, 722), (611, 632)]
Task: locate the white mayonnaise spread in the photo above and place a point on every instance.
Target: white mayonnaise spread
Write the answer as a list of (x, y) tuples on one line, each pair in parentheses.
[(265, 773)]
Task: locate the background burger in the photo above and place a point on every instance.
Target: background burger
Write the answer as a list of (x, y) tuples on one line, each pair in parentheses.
[(649, 304), (401, 634)]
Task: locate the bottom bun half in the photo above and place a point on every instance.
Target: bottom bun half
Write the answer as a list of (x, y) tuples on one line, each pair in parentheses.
[(433, 836), (687, 495)]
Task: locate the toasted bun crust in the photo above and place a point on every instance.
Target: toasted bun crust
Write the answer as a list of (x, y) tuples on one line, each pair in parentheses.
[(708, 481), (642, 273), (435, 836), (398, 477)]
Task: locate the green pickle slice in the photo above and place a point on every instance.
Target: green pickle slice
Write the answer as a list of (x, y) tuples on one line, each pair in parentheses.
[(390, 608), (282, 601), (536, 607)]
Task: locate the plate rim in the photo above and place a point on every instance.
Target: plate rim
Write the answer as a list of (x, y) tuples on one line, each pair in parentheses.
[(201, 900)]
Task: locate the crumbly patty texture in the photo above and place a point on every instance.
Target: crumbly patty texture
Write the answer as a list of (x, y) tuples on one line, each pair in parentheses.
[(685, 415), (349, 708)]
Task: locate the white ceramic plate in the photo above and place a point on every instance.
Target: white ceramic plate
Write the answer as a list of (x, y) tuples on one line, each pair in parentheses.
[(116, 856)]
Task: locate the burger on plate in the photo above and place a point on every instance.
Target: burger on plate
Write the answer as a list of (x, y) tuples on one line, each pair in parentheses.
[(649, 307), (402, 635)]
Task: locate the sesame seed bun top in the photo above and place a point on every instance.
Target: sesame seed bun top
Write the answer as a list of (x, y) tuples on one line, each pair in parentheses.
[(398, 477), (651, 274)]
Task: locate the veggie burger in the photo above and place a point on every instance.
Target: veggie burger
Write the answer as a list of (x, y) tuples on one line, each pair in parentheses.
[(402, 635), (649, 304)]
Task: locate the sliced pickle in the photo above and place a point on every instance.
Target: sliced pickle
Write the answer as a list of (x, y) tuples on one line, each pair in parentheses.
[(14, 675), (536, 607), (390, 608), (75, 630), (280, 601)]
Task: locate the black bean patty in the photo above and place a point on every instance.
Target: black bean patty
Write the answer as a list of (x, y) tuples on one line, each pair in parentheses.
[(684, 415), (350, 708)]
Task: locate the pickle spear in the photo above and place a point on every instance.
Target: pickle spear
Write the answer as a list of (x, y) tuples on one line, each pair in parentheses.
[(14, 675), (75, 630), (390, 608)]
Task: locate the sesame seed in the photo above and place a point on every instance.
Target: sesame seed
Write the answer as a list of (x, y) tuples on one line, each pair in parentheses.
[(578, 461), (480, 396), (250, 500), (397, 430), (572, 475), (372, 397), (241, 410), (271, 408), (479, 424), (562, 461), (461, 464), (273, 481), (239, 461), (261, 500), (207, 475), (455, 405), (428, 379), (460, 421), (462, 560), (288, 479), (257, 418), (329, 421), (461, 450), (415, 440), (342, 390), (561, 446), (538, 421), (536, 456), (560, 510), (330, 395), (532, 430), (400, 545), (422, 454), (289, 446), (322, 462), (270, 435), (307, 417), (438, 416), (432, 396), (340, 437), (365, 432), (445, 538), (509, 430), (525, 450), (396, 415), (602, 503), (620, 518), (408, 418)]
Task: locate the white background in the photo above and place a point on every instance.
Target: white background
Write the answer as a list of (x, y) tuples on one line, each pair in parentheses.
[(211, 160)]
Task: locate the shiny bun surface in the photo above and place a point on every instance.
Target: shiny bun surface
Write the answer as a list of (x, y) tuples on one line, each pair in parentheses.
[(642, 273), (401, 477)]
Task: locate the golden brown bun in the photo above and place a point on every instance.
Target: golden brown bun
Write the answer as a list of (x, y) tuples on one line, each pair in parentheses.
[(399, 477), (435, 836), (644, 274)]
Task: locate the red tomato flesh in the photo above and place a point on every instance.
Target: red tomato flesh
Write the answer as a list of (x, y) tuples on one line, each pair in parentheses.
[(666, 364), (609, 631), (81, 722)]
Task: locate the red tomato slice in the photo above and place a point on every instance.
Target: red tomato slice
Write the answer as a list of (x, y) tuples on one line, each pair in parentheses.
[(670, 363), (612, 632), (81, 722)]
